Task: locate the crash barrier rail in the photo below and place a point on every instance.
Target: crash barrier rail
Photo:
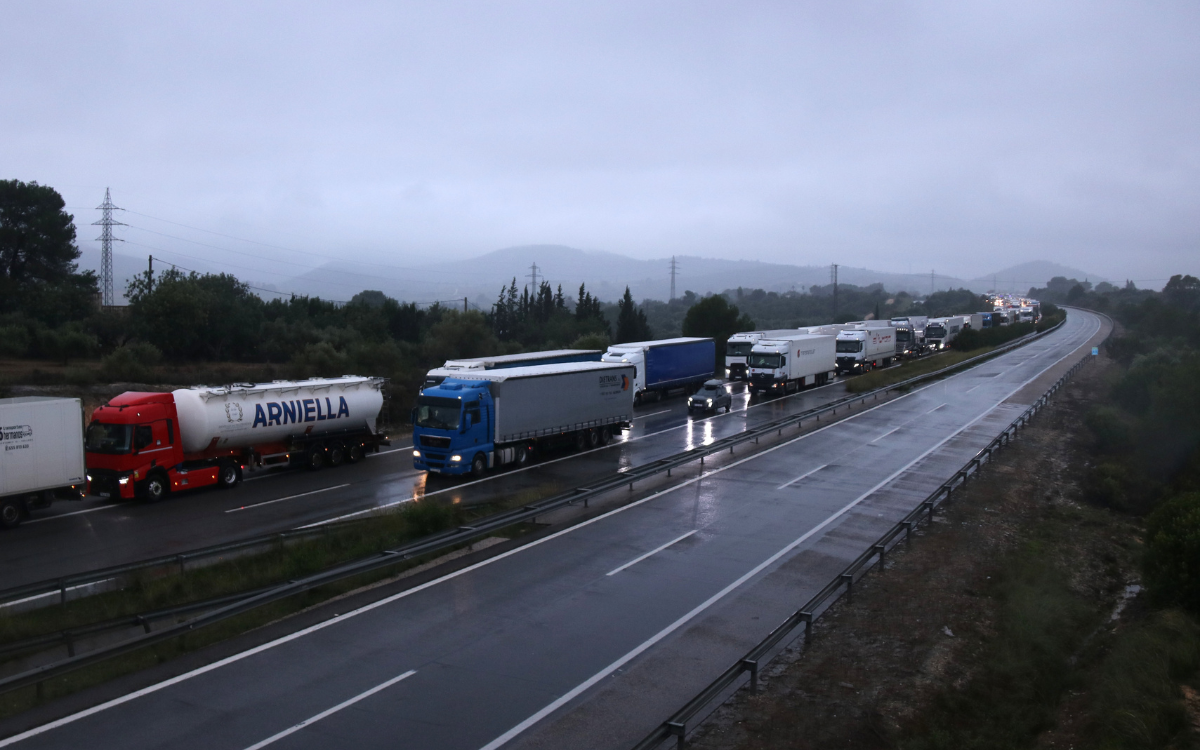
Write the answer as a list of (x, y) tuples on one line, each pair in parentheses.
[(677, 725), (228, 607)]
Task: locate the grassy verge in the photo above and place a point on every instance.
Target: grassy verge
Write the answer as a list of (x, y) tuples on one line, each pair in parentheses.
[(910, 369)]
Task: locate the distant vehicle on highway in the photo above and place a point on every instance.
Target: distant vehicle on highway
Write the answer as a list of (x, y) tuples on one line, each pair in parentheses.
[(867, 346), (737, 350), (665, 365), (150, 444), (791, 362), (454, 367), (712, 396)]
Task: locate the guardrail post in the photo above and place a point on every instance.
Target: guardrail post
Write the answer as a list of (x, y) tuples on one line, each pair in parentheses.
[(677, 729), (908, 532), (70, 645), (752, 666), (62, 593), (181, 560), (929, 505), (807, 619), (849, 580), (880, 549)]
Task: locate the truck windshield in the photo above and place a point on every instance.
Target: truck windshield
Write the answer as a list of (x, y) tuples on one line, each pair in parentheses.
[(935, 331), (108, 438), (437, 413), (765, 360), (740, 349), (903, 334), (849, 346)]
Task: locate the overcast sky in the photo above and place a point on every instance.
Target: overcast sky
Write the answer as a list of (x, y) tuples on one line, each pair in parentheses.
[(960, 136)]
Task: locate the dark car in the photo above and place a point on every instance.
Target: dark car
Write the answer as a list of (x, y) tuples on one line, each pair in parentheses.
[(712, 395)]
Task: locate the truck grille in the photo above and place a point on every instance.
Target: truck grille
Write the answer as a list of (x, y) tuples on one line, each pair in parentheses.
[(433, 441)]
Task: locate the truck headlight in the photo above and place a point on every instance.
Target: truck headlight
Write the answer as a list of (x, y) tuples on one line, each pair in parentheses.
[(123, 480), (456, 458), (89, 477), (416, 454)]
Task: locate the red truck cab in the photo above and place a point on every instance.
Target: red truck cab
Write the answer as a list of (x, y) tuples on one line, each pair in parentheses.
[(134, 449)]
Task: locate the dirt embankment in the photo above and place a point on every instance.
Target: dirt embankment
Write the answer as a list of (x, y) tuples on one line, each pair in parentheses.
[(914, 650)]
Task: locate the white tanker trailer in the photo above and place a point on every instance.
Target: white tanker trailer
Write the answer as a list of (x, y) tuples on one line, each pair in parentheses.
[(149, 444)]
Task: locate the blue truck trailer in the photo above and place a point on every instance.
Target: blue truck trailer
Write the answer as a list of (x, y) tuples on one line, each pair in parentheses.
[(665, 365), (481, 419), (456, 367)]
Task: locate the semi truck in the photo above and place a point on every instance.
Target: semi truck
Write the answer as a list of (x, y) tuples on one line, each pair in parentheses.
[(552, 357), (41, 455), (799, 359), (489, 418), (151, 444), (662, 366), (973, 321), (941, 332), (861, 349), (737, 350), (910, 335)]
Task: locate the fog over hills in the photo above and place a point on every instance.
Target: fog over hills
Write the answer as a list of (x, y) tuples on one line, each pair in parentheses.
[(606, 274)]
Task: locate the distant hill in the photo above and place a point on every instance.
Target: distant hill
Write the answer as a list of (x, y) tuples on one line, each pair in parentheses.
[(1021, 277)]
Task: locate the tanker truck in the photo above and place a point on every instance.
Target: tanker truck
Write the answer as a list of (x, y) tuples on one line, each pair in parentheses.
[(150, 444)]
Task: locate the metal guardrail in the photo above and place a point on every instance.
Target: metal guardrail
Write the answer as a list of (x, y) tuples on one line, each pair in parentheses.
[(442, 541), (677, 725)]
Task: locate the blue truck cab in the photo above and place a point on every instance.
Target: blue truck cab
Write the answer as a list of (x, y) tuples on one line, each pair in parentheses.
[(453, 427)]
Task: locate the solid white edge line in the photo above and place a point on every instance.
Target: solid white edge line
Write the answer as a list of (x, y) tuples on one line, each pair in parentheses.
[(654, 551), (449, 576), (289, 497), (330, 711), (651, 414), (805, 475), (583, 686), (72, 513)]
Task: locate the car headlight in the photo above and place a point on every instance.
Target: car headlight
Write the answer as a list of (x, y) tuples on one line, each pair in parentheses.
[(416, 454), (456, 458), (709, 402)]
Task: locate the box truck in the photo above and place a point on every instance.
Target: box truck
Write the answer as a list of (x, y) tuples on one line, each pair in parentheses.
[(863, 349), (661, 366), (551, 357), (150, 444), (737, 350), (41, 455), (785, 363), (489, 418)]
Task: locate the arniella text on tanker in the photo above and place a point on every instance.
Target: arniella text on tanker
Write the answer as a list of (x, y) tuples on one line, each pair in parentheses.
[(300, 410)]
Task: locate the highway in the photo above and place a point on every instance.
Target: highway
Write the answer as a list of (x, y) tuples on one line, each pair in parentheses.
[(592, 635), (94, 533)]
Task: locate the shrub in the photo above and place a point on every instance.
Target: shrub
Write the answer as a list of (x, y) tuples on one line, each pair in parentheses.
[(591, 341), (131, 363), (14, 341), (1171, 565), (1110, 431)]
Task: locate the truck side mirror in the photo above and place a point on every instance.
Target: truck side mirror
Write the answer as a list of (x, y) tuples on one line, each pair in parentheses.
[(466, 423)]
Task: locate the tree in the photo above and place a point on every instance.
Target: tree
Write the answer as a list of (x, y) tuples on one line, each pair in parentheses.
[(714, 317), (631, 322), (38, 254), (190, 317), (458, 335)]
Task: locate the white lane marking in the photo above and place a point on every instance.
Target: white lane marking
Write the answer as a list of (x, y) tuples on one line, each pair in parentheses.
[(651, 414), (289, 497), (622, 661), (971, 389), (654, 551), (35, 597), (889, 432), (450, 576), (409, 592), (72, 513), (805, 475), (330, 711), (931, 411)]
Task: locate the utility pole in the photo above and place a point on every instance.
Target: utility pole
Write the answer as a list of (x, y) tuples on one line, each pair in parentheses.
[(833, 277), (533, 275), (150, 275), (932, 281), (106, 239), (464, 304), (674, 268)]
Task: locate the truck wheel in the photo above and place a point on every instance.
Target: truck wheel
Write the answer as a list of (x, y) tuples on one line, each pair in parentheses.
[(336, 455), (354, 453), (155, 487), (637, 399), (580, 441), (10, 513), (315, 458), (593, 438), (605, 435), (478, 465), (523, 454), (728, 407), (227, 475)]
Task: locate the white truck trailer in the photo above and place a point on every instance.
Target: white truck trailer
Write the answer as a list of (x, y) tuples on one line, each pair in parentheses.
[(791, 362), (738, 346), (861, 349), (41, 455)]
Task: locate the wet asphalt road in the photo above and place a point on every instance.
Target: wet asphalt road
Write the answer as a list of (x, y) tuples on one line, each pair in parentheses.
[(74, 537), (591, 636)]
